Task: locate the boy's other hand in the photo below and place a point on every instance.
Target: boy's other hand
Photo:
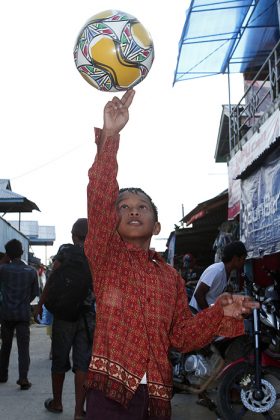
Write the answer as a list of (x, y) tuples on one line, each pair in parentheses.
[(236, 306), (116, 113)]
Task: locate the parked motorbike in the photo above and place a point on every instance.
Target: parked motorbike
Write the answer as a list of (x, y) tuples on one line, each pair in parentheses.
[(198, 372), (250, 386)]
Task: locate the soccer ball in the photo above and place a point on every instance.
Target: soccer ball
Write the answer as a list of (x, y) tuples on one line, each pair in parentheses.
[(113, 51)]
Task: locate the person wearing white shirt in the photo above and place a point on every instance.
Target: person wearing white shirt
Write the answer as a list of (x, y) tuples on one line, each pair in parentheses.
[(213, 280)]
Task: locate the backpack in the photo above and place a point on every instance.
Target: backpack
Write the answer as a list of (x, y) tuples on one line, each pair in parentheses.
[(69, 284)]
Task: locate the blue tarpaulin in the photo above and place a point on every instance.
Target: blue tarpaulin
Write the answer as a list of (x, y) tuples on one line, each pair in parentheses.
[(226, 36)]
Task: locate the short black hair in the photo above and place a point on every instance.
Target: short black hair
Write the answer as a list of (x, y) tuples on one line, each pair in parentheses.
[(80, 228), (236, 248), (135, 190), (14, 249)]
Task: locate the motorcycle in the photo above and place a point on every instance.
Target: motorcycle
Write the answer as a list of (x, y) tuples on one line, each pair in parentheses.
[(198, 372), (250, 387)]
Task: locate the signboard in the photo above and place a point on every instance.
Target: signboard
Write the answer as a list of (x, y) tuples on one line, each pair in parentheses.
[(260, 208), (250, 151)]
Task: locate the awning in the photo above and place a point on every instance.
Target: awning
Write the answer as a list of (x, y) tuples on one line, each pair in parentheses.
[(207, 208), (226, 36), (11, 202)]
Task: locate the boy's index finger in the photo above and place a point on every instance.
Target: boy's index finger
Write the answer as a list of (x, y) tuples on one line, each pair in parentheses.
[(128, 98)]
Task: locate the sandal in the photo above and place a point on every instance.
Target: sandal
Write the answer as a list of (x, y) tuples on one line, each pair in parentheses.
[(49, 407), (24, 384), (206, 402)]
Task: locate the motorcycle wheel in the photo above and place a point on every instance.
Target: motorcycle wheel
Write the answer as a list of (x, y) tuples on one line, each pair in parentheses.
[(230, 393)]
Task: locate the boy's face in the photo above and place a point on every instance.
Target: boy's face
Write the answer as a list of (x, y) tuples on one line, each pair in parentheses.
[(136, 219)]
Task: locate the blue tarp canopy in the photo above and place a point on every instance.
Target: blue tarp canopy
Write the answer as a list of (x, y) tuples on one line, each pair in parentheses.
[(223, 36)]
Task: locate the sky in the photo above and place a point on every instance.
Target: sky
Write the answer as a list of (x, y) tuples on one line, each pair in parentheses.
[(48, 114)]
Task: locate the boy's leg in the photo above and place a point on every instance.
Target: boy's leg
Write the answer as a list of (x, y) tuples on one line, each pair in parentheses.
[(7, 333), (101, 408), (23, 340)]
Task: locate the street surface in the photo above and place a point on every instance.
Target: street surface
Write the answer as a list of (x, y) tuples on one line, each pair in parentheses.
[(29, 405)]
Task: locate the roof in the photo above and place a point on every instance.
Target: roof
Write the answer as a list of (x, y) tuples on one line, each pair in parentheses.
[(37, 235), (257, 163), (222, 147), (206, 219), (221, 36), (11, 202), (206, 207), (5, 184)]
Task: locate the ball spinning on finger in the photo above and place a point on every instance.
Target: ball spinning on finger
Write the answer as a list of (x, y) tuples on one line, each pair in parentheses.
[(113, 51)]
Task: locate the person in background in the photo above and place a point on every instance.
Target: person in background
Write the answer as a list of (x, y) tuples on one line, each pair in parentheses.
[(4, 259), (213, 281), (19, 285), (67, 335), (142, 309)]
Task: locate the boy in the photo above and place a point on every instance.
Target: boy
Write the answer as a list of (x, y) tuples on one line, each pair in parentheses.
[(141, 303)]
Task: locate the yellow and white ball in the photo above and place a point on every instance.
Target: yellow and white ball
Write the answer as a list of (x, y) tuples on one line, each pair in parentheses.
[(113, 51)]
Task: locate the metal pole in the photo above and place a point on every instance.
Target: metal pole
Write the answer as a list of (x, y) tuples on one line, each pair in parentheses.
[(183, 215), (229, 110), (258, 393)]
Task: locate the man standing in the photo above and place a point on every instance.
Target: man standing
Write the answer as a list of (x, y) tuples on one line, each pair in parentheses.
[(214, 279), (75, 334), (19, 285)]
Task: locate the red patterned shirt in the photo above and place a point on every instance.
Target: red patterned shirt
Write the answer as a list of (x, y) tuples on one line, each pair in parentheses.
[(142, 307)]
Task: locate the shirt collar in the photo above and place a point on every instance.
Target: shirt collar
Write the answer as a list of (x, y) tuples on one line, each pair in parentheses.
[(151, 253)]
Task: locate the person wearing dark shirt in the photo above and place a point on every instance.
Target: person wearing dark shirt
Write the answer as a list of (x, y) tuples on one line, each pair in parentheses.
[(19, 285), (70, 335)]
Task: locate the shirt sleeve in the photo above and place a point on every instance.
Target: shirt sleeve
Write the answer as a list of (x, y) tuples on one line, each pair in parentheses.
[(210, 277), (102, 193), (191, 332)]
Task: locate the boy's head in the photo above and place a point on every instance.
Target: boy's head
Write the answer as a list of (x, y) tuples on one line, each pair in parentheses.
[(138, 216), (14, 249), (235, 253)]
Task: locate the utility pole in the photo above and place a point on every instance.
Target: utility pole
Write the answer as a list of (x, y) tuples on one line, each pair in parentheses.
[(183, 215)]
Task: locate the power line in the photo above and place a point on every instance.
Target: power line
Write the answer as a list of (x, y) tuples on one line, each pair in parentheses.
[(49, 162)]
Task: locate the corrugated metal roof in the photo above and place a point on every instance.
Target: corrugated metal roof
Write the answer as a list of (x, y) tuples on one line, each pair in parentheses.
[(226, 36), (5, 184), (38, 235), (11, 202), (203, 208)]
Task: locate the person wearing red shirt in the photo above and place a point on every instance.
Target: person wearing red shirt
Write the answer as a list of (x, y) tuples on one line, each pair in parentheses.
[(141, 304)]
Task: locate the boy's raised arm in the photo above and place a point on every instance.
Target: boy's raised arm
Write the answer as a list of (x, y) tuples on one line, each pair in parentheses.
[(102, 189), (115, 116)]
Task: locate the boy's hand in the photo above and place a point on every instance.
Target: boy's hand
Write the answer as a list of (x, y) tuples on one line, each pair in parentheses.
[(236, 306), (116, 113)]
